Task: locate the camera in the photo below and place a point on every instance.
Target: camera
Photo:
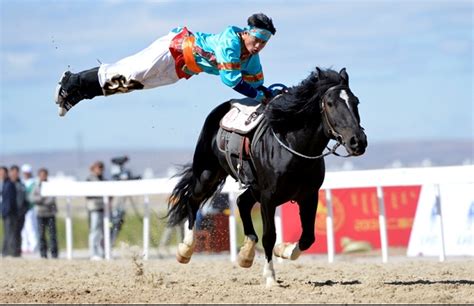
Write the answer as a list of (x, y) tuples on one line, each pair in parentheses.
[(119, 173), (118, 170)]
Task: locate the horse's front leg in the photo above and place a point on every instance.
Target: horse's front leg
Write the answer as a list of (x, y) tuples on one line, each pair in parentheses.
[(308, 207), (268, 240), (245, 202)]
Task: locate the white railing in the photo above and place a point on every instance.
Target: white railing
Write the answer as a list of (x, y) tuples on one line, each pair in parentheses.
[(334, 180)]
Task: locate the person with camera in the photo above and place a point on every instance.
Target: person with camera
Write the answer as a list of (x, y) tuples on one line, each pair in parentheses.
[(95, 208)]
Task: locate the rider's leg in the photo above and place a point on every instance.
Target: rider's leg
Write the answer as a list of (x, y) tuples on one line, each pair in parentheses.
[(74, 87), (149, 68)]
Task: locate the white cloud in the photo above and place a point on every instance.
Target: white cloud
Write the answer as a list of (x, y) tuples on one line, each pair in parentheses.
[(19, 63)]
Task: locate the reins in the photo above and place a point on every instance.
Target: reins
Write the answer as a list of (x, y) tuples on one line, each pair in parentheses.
[(331, 151)]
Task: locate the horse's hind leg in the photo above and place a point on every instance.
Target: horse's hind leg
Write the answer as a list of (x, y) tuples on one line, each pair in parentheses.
[(206, 183), (205, 176), (245, 202), (186, 248)]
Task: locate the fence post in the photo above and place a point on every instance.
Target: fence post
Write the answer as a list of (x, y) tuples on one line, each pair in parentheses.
[(146, 227), (68, 229), (107, 247), (232, 227), (442, 254), (382, 225), (279, 229), (329, 226)]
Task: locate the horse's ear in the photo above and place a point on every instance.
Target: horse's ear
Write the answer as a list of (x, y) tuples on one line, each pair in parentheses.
[(319, 72), (344, 76)]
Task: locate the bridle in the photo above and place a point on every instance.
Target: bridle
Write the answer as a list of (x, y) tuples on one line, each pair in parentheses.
[(330, 129)]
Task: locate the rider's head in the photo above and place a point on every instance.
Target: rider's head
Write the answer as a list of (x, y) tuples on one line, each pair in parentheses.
[(256, 35)]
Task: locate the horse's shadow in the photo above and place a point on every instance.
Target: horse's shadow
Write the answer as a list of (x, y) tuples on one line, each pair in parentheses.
[(332, 283), (395, 283), (430, 282), (281, 284)]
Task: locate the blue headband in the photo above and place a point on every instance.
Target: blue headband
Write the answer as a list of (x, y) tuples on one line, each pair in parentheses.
[(259, 33)]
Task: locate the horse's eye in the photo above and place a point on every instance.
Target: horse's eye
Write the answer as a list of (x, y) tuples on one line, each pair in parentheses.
[(330, 104)]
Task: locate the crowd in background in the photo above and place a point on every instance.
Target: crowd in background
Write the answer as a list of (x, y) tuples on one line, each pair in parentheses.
[(29, 219), (27, 216)]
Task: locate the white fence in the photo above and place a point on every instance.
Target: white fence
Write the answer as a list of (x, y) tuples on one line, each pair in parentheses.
[(334, 180)]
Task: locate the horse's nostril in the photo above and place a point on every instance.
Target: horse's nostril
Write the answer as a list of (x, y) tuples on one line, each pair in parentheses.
[(353, 141)]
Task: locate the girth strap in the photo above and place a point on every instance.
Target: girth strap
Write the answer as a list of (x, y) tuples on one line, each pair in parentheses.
[(226, 137), (261, 128)]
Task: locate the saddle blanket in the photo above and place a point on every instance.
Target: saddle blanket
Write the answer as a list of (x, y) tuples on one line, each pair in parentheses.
[(242, 117)]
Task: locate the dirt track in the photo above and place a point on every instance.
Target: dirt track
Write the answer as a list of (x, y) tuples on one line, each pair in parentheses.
[(215, 280)]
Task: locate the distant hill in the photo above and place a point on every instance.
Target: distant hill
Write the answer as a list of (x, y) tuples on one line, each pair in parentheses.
[(158, 163)]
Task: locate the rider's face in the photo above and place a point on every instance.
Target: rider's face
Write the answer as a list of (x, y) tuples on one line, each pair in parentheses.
[(252, 43)]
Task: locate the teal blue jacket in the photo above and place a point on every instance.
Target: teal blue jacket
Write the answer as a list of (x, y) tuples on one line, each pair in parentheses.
[(220, 54)]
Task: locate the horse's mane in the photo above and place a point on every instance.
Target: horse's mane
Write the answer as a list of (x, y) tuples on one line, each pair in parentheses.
[(300, 105)]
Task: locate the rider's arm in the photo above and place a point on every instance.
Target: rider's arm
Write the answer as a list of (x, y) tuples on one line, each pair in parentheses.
[(247, 90), (230, 70), (253, 75), (252, 72)]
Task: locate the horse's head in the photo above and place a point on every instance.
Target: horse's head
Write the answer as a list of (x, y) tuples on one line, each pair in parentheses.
[(340, 114)]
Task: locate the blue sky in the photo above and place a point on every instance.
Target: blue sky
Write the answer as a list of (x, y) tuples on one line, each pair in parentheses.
[(410, 63)]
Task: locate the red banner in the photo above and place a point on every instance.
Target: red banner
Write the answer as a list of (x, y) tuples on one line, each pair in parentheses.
[(356, 218)]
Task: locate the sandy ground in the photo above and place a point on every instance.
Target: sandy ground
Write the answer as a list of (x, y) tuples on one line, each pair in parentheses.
[(214, 279)]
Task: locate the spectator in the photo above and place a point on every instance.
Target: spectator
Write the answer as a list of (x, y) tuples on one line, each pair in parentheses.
[(9, 212), (95, 207), (29, 234), (46, 210), (21, 204)]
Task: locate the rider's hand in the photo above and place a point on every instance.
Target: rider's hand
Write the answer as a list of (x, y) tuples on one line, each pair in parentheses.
[(260, 96), (266, 91)]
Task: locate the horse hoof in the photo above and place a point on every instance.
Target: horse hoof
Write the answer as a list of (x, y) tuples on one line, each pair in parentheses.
[(185, 250), (182, 259), (287, 251), (295, 253), (245, 263), (270, 282), (247, 252)]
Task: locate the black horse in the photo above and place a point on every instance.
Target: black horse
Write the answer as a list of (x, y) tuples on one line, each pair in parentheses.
[(286, 163)]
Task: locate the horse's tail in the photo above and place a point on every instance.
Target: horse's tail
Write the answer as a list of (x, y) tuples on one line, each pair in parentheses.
[(194, 188), (180, 201), (179, 198)]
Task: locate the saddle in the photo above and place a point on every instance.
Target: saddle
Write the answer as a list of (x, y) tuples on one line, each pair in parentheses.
[(243, 117), (239, 129)]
